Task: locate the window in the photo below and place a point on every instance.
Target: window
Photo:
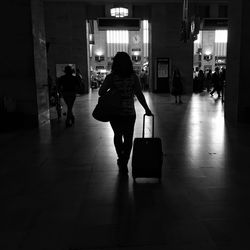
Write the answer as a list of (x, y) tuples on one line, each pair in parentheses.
[(117, 40), (221, 36), (145, 31), (117, 36)]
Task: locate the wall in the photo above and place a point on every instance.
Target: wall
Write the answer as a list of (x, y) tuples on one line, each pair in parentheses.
[(234, 62), (166, 26), (65, 32), (100, 39), (17, 72), (65, 25), (40, 61), (244, 86)]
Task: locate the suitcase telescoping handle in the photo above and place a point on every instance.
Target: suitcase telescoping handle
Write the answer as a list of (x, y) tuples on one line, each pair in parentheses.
[(143, 127)]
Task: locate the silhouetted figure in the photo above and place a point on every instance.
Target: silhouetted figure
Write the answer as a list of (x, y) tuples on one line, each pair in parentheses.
[(67, 85), (123, 79), (196, 80), (216, 81), (208, 80), (223, 82), (201, 78), (143, 79), (50, 84), (177, 87)]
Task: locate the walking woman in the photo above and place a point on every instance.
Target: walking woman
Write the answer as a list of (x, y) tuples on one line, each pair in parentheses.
[(123, 79)]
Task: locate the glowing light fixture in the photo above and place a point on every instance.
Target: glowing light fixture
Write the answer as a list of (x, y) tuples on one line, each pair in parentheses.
[(119, 12), (208, 52), (99, 52)]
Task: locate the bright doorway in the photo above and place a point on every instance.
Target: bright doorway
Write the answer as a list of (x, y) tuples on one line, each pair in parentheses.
[(104, 44)]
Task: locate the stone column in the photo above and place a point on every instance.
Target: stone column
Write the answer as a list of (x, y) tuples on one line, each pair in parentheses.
[(237, 93), (40, 60), (23, 72), (166, 28)]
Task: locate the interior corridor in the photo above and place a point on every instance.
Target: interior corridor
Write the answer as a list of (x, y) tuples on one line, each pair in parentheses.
[(60, 187)]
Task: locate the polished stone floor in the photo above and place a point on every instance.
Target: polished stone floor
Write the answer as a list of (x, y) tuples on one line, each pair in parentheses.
[(60, 188)]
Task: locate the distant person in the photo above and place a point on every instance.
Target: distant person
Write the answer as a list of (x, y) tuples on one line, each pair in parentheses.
[(223, 82), (67, 85), (50, 84), (216, 81), (201, 78), (143, 79), (223, 75), (123, 79), (146, 76), (177, 87), (99, 79), (208, 80), (195, 80)]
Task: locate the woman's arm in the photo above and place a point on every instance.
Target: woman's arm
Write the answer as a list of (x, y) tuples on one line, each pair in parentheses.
[(140, 96), (105, 85)]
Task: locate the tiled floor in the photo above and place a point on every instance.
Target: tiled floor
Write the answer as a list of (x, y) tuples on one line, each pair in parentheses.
[(60, 188)]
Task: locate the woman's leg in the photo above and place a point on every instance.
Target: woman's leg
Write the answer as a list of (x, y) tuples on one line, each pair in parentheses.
[(123, 128), (118, 141), (128, 133)]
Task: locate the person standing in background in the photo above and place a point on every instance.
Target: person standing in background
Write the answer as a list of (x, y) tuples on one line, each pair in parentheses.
[(177, 88), (208, 79)]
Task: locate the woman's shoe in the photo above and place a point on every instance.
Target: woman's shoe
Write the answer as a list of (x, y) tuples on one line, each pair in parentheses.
[(123, 168)]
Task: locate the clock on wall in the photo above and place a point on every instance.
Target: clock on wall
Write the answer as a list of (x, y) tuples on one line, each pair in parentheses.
[(136, 39)]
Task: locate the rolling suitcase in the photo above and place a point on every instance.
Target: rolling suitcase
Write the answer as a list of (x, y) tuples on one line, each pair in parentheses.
[(147, 156)]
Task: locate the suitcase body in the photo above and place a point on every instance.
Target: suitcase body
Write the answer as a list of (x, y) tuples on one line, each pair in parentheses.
[(147, 156)]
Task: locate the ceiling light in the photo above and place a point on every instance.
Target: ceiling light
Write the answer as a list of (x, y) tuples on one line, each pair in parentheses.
[(119, 12)]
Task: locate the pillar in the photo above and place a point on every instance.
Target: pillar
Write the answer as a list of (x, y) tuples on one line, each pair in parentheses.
[(166, 41), (23, 73), (237, 92)]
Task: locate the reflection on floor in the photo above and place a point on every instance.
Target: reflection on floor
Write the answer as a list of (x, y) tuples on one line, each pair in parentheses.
[(60, 187)]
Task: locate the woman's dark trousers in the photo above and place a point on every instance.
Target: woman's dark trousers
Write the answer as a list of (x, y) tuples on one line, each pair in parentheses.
[(123, 127)]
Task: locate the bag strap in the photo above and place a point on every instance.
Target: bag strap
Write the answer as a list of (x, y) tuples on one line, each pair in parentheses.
[(143, 126)]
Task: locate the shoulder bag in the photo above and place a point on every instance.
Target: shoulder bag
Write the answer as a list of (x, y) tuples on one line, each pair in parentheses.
[(108, 105)]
